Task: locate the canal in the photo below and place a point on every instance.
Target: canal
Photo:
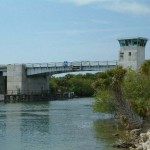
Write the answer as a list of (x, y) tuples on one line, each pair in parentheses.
[(55, 125)]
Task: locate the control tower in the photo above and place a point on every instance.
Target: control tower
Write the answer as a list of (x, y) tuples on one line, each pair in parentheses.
[(132, 52)]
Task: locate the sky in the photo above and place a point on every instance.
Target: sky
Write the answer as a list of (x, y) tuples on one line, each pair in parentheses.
[(42, 31)]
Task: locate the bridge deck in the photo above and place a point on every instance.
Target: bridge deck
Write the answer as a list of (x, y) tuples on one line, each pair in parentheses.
[(62, 67)]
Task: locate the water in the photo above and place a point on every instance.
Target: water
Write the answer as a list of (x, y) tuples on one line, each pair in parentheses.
[(55, 125)]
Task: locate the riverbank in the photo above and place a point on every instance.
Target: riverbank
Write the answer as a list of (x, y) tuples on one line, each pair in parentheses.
[(136, 139)]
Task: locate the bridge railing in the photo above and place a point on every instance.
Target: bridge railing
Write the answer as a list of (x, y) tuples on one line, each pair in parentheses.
[(74, 63)]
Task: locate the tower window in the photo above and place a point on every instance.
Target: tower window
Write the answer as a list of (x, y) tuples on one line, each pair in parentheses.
[(122, 43), (129, 53), (134, 41), (121, 55), (126, 42)]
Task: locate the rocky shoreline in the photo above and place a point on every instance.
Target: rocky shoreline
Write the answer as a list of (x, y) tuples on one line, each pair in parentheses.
[(136, 140)]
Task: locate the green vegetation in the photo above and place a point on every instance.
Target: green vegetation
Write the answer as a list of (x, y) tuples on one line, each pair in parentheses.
[(80, 84), (126, 93), (112, 97), (137, 90)]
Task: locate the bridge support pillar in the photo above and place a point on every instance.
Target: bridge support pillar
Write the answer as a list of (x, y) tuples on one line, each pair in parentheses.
[(16, 78), (19, 82)]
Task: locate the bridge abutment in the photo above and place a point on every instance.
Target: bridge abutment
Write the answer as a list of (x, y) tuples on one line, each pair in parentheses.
[(18, 83), (16, 78)]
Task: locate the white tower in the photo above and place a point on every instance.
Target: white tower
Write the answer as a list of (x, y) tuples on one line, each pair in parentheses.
[(132, 52)]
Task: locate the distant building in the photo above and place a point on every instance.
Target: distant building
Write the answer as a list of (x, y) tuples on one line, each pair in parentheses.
[(132, 52)]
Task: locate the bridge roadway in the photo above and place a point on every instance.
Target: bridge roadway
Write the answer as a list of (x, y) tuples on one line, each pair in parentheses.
[(63, 67)]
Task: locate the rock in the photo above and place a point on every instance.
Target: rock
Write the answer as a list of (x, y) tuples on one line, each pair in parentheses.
[(144, 137), (144, 146), (135, 132), (148, 134), (123, 145), (140, 147), (138, 141), (148, 144)]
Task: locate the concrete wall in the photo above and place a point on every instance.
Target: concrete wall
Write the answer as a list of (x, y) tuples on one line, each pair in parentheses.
[(140, 56), (37, 83), (134, 60), (15, 75), (18, 81)]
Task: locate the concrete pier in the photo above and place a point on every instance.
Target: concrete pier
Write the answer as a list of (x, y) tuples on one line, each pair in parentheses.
[(17, 80), (22, 87)]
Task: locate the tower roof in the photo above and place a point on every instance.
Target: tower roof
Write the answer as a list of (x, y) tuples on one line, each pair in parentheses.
[(129, 38), (133, 41)]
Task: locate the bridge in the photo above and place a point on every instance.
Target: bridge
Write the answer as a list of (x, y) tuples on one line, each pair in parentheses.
[(34, 78), (62, 67), (26, 79)]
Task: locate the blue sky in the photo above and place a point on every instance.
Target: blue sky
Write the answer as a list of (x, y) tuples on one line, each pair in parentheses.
[(36, 31)]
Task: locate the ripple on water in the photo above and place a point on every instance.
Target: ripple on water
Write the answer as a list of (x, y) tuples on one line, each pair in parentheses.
[(57, 125)]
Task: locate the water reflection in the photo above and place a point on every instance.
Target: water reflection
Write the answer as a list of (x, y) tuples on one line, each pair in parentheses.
[(57, 125), (34, 124), (105, 129), (22, 123), (2, 126)]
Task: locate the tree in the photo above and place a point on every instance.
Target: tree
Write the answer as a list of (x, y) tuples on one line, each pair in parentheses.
[(136, 89), (80, 84), (81, 87), (145, 68), (111, 82)]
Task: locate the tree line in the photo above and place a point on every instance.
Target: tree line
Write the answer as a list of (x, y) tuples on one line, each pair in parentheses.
[(80, 84)]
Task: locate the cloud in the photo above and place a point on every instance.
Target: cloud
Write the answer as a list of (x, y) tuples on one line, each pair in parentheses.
[(123, 6), (133, 7)]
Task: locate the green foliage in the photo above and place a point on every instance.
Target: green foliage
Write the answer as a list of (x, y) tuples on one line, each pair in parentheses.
[(111, 79), (136, 86), (145, 67), (108, 86), (80, 84), (103, 102), (137, 90), (112, 96), (142, 107), (82, 87), (121, 84)]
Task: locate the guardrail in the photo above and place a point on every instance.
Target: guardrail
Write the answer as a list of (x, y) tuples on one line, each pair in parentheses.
[(74, 63)]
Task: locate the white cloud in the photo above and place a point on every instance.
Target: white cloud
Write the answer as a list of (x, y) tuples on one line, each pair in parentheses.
[(124, 6), (129, 7)]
